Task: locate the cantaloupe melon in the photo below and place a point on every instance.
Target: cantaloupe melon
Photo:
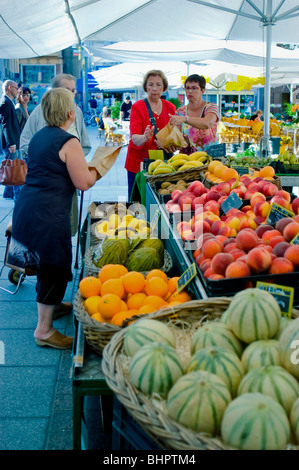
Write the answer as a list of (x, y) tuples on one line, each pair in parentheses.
[(265, 352), (154, 368), (222, 362), (145, 331), (216, 334), (274, 381), (254, 314), (289, 344), (254, 421), (198, 400)]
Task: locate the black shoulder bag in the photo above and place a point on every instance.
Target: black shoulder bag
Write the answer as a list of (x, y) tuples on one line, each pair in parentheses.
[(153, 123)]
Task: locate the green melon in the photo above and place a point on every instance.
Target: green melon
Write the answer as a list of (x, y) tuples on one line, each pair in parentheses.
[(274, 381), (216, 334), (198, 400), (225, 317), (144, 259), (155, 243), (294, 420), (254, 421), (254, 314), (265, 352), (289, 344), (222, 362), (146, 331), (116, 252), (155, 368)]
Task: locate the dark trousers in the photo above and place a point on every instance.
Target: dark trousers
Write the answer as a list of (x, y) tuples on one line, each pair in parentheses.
[(131, 179)]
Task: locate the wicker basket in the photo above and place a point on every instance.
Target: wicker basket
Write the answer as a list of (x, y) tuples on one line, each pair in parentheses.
[(149, 413), (92, 270), (190, 174)]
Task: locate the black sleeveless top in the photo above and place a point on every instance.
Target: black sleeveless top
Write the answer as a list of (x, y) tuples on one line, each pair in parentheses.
[(41, 232)]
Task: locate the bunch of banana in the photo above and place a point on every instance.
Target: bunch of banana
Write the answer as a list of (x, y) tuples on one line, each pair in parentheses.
[(179, 162), (159, 167), (115, 224)]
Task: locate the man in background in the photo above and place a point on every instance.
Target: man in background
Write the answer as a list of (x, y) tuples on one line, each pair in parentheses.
[(10, 137), (125, 109)]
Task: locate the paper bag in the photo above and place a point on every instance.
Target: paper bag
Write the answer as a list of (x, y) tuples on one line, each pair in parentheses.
[(171, 136), (104, 158)]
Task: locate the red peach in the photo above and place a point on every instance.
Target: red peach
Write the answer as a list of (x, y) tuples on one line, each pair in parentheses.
[(257, 197), (213, 195), (199, 259), (282, 223), (208, 272), (295, 206), (197, 203), (246, 208), (216, 226), (237, 253), (200, 227), (215, 277), (205, 264), (284, 194), (237, 269), (176, 193), (290, 231), (231, 246), (202, 238), (196, 252), (263, 228), (212, 206), (259, 260), (200, 189), (269, 189), (269, 234), (280, 249), (281, 266), (211, 247), (185, 202), (221, 238), (275, 240), (280, 201), (223, 187), (262, 208), (246, 239), (292, 254), (220, 262)]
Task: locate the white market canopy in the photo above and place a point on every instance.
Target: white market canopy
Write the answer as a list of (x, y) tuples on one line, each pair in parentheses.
[(35, 28)]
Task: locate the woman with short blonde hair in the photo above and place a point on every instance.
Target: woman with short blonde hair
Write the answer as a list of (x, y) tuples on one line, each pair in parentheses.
[(56, 104)]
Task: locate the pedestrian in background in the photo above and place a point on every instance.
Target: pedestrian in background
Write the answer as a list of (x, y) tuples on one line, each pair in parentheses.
[(23, 98), (10, 130)]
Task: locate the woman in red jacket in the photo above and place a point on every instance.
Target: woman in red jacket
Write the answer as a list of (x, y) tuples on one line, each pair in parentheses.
[(142, 130)]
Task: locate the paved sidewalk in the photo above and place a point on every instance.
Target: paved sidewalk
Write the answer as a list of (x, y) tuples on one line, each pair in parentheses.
[(35, 383)]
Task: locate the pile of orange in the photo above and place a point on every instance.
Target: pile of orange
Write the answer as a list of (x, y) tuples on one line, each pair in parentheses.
[(218, 172), (117, 294)]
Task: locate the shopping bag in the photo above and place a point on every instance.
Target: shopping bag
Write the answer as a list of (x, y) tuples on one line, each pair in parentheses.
[(13, 172), (171, 136), (104, 158)]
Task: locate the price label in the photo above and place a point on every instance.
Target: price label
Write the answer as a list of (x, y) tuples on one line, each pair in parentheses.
[(283, 295), (276, 213), (186, 277), (295, 240), (233, 201), (216, 150), (241, 169), (156, 154)]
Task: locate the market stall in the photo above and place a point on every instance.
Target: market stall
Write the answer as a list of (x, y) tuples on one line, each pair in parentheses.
[(228, 243)]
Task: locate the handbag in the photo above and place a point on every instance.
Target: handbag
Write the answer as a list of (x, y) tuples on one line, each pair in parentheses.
[(13, 172), (153, 123)]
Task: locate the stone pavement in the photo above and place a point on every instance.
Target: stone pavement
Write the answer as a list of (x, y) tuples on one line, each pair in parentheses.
[(35, 383)]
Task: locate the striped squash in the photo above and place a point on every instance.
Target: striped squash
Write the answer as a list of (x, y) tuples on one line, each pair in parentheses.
[(198, 400), (289, 344), (254, 421), (222, 362), (216, 334), (146, 331), (274, 381), (265, 352), (225, 317), (294, 420), (254, 314), (155, 368)]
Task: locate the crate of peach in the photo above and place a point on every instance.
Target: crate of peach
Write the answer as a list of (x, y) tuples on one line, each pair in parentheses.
[(106, 303)]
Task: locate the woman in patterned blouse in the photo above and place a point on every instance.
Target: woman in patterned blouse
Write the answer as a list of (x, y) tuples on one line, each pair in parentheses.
[(198, 119)]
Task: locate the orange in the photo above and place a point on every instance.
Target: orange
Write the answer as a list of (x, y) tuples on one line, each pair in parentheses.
[(179, 297), (124, 306), (112, 271), (91, 304), (119, 317), (156, 286), (173, 303), (218, 170), (146, 309), (157, 273), (113, 286), (109, 305), (229, 173), (267, 171), (172, 284), (155, 301), (136, 300), (133, 282), (89, 286), (97, 316), (212, 165)]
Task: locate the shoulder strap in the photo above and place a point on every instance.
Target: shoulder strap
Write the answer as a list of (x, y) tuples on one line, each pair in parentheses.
[(151, 116)]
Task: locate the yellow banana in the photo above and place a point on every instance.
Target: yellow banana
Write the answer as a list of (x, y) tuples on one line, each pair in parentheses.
[(196, 163), (177, 157), (154, 165), (178, 163), (198, 154), (163, 169)]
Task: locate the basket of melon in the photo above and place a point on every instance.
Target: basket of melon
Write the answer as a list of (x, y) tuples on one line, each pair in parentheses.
[(108, 302), (212, 374)]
